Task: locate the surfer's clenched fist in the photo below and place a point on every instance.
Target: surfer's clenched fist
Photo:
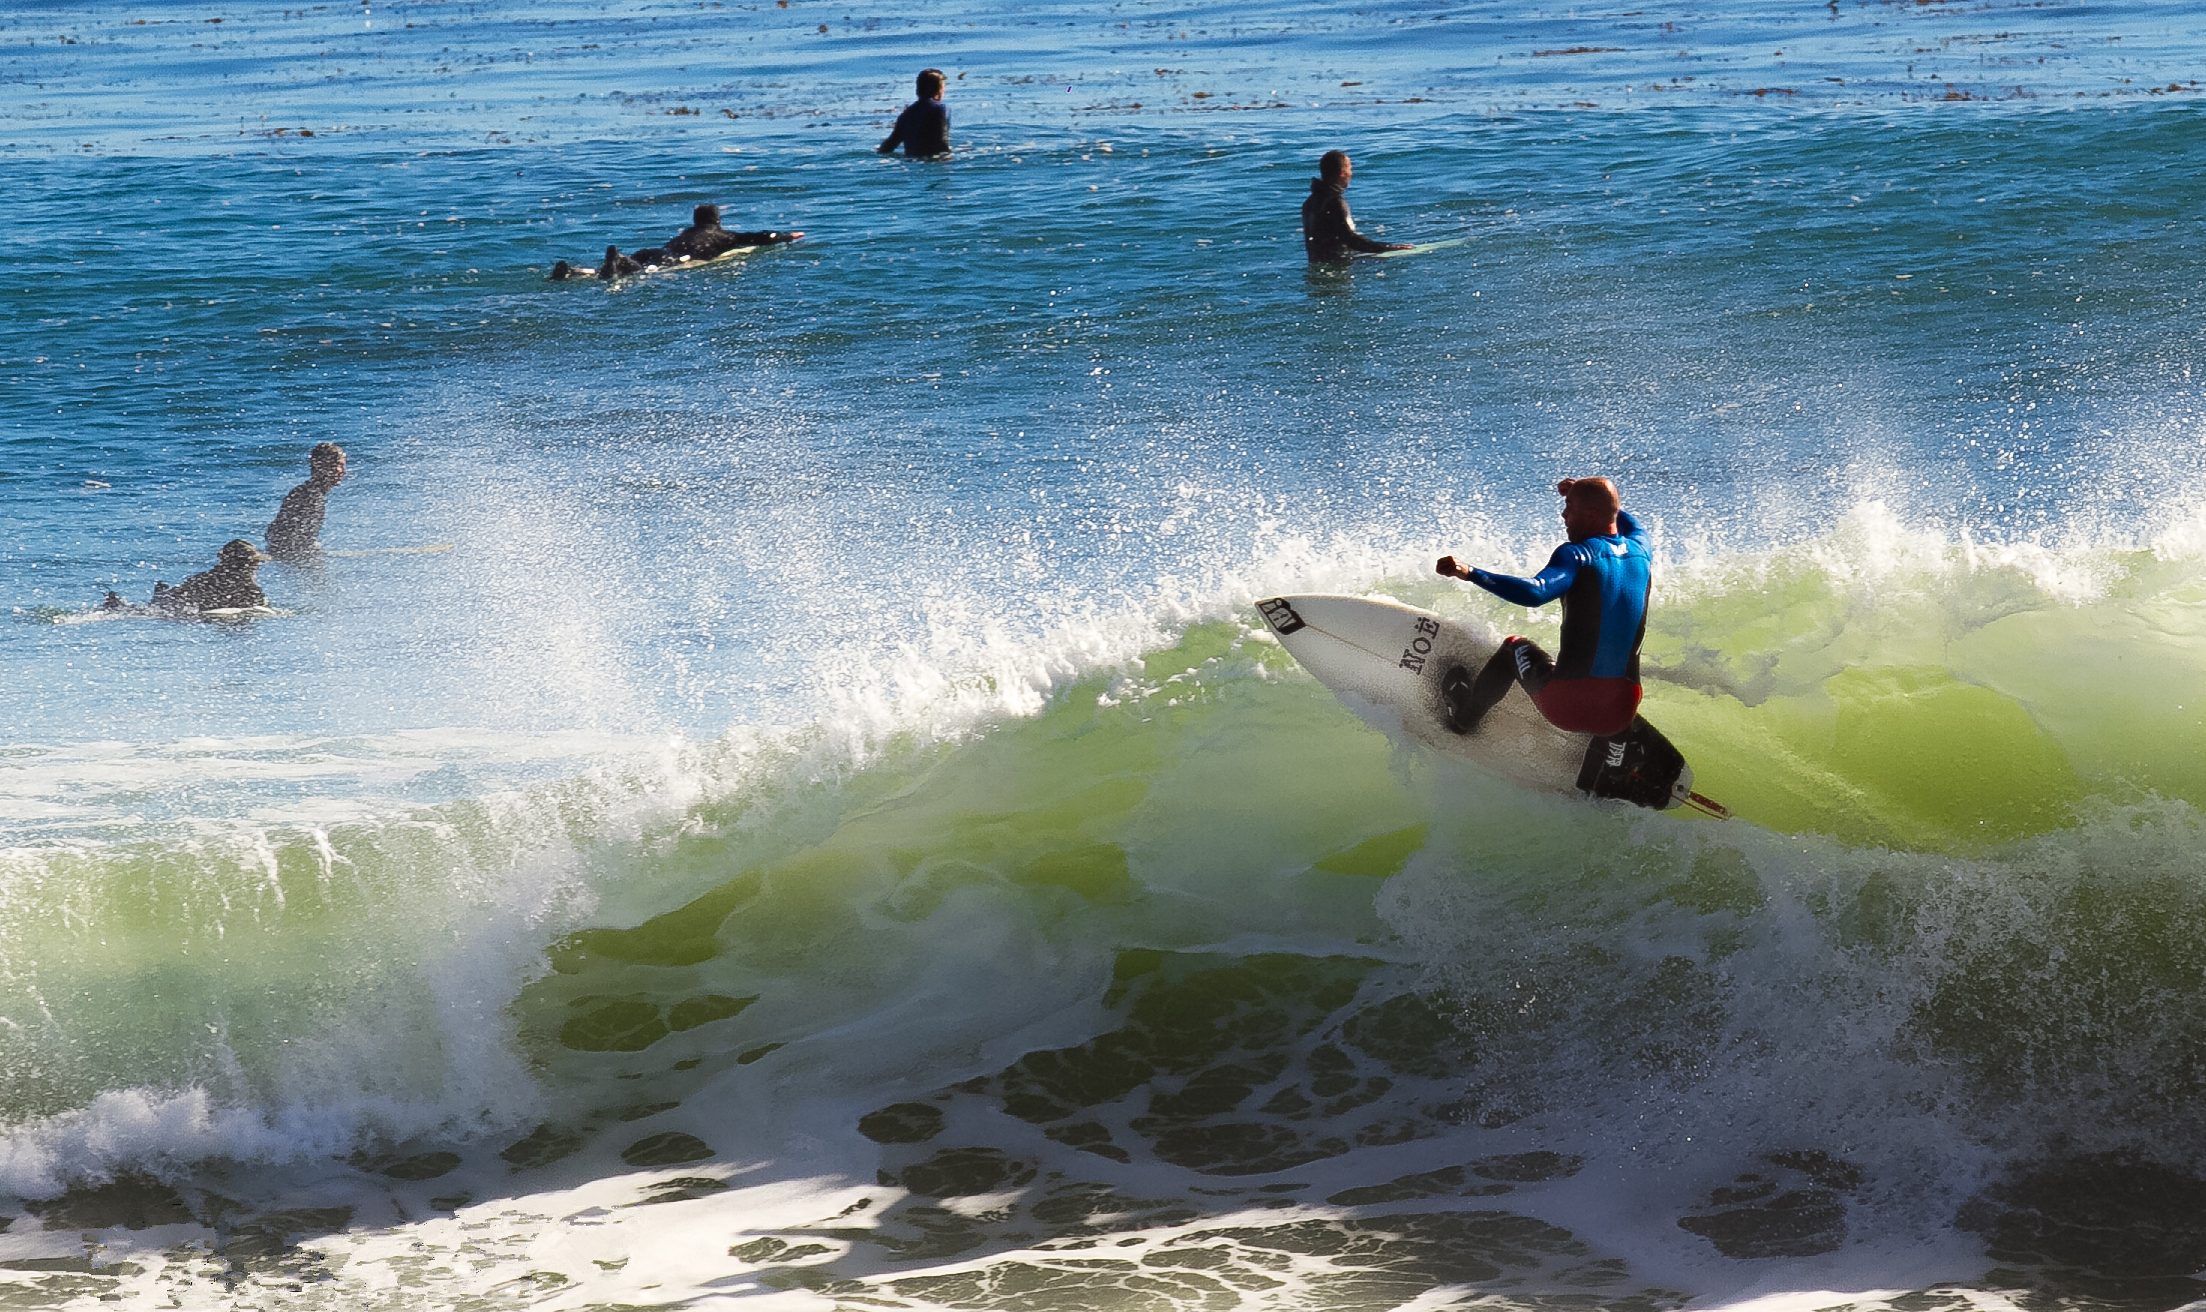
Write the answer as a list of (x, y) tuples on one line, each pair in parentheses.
[(1602, 576)]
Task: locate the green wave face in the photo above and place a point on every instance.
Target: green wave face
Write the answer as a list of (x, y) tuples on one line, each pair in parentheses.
[(1866, 737), (1197, 922), (1952, 710)]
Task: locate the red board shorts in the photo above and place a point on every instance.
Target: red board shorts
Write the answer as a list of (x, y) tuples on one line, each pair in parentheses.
[(1595, 706)]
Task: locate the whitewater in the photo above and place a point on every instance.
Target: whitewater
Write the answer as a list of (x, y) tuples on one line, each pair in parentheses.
[(826, 826)]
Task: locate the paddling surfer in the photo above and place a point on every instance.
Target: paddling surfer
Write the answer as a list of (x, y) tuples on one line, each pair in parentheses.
[(1329, 233), (230, 584), (705, 239), (1602, 576), (295, 534)]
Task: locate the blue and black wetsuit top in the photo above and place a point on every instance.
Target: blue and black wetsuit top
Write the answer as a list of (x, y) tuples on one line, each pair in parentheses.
[(923, 129), (1603, 582)]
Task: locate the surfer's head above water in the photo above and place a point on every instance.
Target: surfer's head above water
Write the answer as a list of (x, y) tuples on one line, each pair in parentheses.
[(1589, 507), (705, 216), (1334, 167), (237, 553), (326, 464)]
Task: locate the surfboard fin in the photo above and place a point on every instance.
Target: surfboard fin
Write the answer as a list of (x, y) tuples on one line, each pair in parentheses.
[(1708, 806)]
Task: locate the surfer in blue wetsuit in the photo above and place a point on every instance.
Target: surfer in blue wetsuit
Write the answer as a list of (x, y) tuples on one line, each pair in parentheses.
[(923, 129), (1602, 575)]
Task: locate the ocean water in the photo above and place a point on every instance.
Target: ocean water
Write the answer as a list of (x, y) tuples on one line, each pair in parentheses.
[(827, 827)]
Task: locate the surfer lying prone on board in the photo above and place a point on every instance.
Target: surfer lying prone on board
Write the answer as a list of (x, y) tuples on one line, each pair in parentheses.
[(230, 585), (704, 239), (1602, 575)]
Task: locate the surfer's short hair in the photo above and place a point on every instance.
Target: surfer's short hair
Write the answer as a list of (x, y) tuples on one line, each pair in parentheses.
[(931, 81), (1595, 493), (1331, 163), (324, 453), (705, 214)]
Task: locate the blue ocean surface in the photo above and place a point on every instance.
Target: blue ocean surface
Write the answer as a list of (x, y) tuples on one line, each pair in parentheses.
[(778, 789)]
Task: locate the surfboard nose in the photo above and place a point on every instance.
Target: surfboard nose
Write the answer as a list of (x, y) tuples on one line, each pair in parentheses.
[(1279, 615)]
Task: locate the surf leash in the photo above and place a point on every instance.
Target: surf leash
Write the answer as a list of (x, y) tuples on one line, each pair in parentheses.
[(1708, 806)]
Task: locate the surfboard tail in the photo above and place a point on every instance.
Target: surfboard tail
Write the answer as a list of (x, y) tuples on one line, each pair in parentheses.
[(1639, 766)]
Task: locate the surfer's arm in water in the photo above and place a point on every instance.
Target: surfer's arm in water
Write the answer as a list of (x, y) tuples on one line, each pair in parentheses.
[(763, 238)]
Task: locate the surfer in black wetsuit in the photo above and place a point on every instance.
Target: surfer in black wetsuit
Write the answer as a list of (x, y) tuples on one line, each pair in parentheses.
[(1329, 233), (295, 534), (1603, 575), (705, 239), (923, 129), (229, 584), (617, 265)]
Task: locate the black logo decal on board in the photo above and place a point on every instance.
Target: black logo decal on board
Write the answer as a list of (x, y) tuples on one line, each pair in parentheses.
[(1280, 615)]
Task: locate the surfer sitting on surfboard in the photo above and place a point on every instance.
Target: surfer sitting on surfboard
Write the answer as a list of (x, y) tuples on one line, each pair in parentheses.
[(1602, 575), (1329, 233), (924, 127), (295, 533)]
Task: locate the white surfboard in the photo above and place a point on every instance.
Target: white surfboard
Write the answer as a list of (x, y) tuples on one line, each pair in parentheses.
[(576, 273), (1386, 661), (1421, 247), (364, 552), (102, 614)]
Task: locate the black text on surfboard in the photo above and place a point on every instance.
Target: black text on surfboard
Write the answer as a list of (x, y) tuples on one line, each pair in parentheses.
[(1413, 656)]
